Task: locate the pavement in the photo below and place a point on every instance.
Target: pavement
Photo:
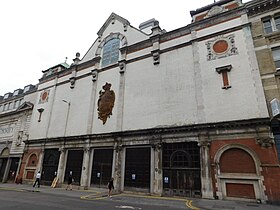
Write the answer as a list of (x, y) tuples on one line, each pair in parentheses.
[(101, 193)]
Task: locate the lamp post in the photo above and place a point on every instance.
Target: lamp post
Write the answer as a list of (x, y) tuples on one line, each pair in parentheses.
[(68, 103)]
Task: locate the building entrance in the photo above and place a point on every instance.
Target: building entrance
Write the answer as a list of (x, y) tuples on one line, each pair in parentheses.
[(181, 169), (74, 164), (137, 168), (3, 163), (50, 165), (101, 167), (13, 169)]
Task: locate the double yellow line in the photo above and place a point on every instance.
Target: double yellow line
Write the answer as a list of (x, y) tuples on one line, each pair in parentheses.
[(188, 203)]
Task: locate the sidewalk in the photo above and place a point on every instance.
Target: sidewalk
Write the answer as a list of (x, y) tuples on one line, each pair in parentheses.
[(56, 191), (101, 193)]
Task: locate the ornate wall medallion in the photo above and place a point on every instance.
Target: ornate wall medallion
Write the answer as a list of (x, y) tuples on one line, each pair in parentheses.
[(221, 47), (44, 97), (105, 103)]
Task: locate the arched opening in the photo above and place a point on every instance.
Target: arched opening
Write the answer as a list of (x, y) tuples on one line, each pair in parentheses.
[(237, 173), (31, 166), (181, 169), (237, 161)]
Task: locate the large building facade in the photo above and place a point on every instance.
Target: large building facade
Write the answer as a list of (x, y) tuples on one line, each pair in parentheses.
[(169, 113)]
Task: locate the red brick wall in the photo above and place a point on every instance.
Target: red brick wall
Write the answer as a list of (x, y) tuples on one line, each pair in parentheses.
[(240, 190), (269, 163), (236, 161), (24, 162)]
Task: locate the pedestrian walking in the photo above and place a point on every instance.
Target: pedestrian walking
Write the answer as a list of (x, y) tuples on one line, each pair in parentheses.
[(69, 181), (110, 187), (38, 177)]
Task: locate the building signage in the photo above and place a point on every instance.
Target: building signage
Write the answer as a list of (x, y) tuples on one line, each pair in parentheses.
[(6, 130)]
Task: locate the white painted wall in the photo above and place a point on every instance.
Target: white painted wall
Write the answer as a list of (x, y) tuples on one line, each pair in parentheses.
[(161, 95)]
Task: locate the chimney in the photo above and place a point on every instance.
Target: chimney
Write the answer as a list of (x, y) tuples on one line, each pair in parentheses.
[(147, 26)]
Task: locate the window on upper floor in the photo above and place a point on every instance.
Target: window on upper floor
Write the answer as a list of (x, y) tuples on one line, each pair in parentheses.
[(276, 57), (11, 105), (110, 53), (17, 103), (6, 106), (223, 70), (271, 24), (1, 108)]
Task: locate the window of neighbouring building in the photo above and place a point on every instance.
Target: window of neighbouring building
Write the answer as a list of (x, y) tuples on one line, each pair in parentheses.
[(110, 53), (277, 144), (271, 24), (276, 57), (267, 26)]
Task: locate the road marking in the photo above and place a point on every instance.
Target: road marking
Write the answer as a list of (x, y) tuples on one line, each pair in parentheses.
[(127, 207), (86, 197), (188, 203), (12, 189)]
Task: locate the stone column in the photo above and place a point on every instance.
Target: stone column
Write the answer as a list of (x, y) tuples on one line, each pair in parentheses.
[(40, 161), (61, 166), (85, 169), (158, 173), (206, 178), (117, 170)]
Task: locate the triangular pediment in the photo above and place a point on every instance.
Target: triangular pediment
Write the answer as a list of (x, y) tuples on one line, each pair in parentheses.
[(25, 106), (111, 19)]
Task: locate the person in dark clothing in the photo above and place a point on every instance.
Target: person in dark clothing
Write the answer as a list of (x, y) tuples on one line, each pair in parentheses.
[(110, 187), (69, 181)]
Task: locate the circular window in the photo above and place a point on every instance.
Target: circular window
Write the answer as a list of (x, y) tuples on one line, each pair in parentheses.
[(220, 46)]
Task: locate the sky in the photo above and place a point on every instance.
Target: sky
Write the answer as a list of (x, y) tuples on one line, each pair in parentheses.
[(36, 35)]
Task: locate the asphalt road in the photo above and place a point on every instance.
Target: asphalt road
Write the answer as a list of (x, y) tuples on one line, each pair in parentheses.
[(28, 200)]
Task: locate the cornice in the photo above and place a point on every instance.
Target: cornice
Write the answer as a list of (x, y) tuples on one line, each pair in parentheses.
[(258, 7), (197, 128)]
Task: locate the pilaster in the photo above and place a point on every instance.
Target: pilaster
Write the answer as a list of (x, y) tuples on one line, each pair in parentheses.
[(206, 178), (85, 168), (61, 166)]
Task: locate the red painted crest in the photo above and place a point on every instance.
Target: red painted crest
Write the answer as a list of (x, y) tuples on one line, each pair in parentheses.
[(105, 103)]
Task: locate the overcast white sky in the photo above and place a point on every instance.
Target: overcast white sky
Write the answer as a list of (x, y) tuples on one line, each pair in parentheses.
[(36, 35)]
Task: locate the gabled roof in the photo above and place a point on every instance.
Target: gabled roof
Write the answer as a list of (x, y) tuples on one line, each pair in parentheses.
[(113, 16), (25, 106)]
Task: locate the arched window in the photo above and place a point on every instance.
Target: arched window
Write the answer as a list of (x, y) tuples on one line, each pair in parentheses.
[(111, 52)]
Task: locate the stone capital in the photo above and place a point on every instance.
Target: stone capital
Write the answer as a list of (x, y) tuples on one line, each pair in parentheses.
[(265, 141)]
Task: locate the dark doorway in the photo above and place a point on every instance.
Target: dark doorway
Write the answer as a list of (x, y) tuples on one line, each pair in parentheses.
[(50, 165), (102, 167), (181, 169), (3, 163), (13, 169), (74, 164), (138, 168)]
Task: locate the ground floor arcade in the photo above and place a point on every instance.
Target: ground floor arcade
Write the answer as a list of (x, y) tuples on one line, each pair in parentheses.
[(221, 162)]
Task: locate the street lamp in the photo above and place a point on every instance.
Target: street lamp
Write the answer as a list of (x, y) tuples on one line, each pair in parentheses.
[(68, 103)]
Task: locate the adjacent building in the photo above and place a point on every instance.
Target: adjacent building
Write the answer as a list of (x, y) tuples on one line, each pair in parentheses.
[(15, 115), (169, 113)]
